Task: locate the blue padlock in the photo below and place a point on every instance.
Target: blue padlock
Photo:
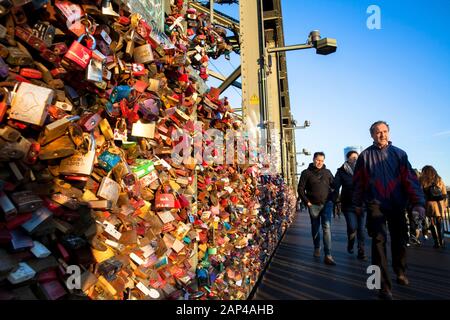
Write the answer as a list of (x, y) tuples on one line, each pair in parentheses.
[(108, 160), (119, 93)]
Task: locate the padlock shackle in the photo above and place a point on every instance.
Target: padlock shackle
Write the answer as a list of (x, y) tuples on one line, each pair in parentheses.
[(94, 42)]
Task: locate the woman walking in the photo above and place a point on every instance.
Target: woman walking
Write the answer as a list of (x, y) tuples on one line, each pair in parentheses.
[(436, 202)]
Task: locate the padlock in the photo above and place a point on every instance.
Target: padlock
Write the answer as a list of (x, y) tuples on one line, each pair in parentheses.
[(58, 73), (108, 160), (59, 148), (30, 102), (45, 32), (18, 15), (107, 9), (26, 201), (100, 204), (109, 190), (32, 155), (138, 69), (59, 48), (8, 209), (119, 93), (90, 121), (129, 49), (79, 164), (4, 72), (143, 54), (4, 52), (9, 134), (78, 54), (120, 131), (65, 106), (14, 150), (94, 71), (106, 130), (144, 130), (56, 129), (18, 57)]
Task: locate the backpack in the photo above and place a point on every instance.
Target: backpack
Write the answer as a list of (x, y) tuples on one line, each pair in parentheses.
[(434, 193)]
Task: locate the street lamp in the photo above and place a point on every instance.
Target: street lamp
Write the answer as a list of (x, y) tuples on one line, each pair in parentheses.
[(305, 125), (323, 46), (306, 152)]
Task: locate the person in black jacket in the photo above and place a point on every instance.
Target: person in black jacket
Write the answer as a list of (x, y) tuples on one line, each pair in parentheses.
[(355, 224), (314, 189)]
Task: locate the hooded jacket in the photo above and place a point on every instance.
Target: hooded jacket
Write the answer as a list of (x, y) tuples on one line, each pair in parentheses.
[(315, 185), (344, 179), (384, 176)]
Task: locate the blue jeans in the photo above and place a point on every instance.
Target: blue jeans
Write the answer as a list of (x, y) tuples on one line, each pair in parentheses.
[(321, 214), (355, 228)]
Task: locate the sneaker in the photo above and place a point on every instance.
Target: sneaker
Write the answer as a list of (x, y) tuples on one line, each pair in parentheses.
[(385, 294), (349, 248), (403, 280), (329, 261), (317, 252)]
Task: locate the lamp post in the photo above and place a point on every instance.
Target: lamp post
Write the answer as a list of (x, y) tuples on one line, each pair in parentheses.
[(323, 46), (306, 152)]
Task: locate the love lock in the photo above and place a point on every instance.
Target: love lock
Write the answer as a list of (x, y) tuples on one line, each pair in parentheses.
[(4, 95)]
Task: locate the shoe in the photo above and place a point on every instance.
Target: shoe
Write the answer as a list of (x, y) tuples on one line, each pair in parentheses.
[(436, 246), (350, 248), (317, 252), (385, 294), (329, 261), (362, 255), (403, 280)]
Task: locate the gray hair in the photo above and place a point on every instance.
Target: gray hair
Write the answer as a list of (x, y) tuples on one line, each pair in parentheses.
[(375, 124)]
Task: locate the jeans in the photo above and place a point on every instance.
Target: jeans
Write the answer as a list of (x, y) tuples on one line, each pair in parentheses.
[(321, 214), (355, 228), (378, 223)]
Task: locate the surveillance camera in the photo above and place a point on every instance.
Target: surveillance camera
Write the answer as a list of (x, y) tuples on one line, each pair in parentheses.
[(307, 123), (326, 46)]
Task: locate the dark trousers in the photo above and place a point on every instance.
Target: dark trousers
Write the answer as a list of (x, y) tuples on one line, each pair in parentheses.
[(378, 223)]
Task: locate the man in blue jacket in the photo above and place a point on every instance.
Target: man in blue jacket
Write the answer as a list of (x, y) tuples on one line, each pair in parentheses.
[(385, 182)]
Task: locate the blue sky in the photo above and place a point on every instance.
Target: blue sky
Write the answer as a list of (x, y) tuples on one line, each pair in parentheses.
[(400, 74)]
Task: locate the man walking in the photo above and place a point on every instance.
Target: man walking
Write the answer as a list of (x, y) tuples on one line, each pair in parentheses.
[(314, 189), (384, 181)]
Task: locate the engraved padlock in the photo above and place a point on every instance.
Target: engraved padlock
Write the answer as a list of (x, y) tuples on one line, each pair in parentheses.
[(79, 163), (78, 54)]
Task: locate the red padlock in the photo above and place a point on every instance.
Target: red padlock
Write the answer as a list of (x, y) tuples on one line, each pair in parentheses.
[(30, 73), (79, 54), (58, 73), (33, 153)]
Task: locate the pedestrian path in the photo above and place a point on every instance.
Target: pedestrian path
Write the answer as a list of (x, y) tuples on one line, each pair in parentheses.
[(295, 274)]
